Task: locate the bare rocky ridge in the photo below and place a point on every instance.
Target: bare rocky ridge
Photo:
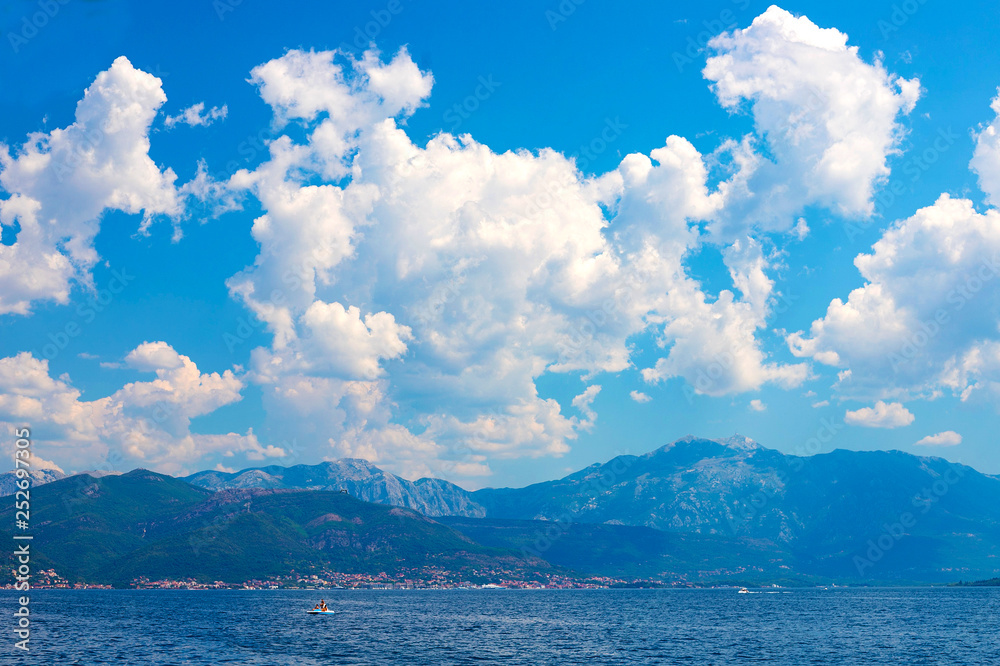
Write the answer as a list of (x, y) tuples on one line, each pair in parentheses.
[(8, 480), (360, 478)]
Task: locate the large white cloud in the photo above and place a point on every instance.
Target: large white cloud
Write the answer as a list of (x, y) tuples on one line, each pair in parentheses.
[(829, 119), (927, 318), (60, 183), (143, 423)]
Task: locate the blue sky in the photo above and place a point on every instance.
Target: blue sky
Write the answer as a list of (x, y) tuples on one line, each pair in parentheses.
[(491, 263)]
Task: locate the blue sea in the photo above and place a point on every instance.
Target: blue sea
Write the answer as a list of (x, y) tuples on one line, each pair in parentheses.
[(717, 626)]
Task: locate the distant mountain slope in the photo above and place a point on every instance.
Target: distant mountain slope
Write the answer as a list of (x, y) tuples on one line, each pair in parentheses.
[(934, 515), (116, 528), (39, 476), (361, 479)]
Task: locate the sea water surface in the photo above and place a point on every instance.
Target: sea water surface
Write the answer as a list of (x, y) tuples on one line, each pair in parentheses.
[(671, 626)]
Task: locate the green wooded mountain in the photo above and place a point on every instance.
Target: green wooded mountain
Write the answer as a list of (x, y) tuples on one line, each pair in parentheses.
[(117, 528)]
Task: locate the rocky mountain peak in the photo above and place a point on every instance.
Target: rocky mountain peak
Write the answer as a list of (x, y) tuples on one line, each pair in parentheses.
[(739, 442)]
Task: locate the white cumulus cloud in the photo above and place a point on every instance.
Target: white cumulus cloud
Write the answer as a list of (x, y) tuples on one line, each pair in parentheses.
[(639, 396), (142, 423), (946, 438), (60, 183), (829, 118), (926, 318), (882, 415)]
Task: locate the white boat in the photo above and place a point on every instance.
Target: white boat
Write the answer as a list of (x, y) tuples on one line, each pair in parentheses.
[(743, 590)]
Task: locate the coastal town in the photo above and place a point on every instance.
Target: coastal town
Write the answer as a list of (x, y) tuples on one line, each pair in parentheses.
[(48, 579), (425, 578)]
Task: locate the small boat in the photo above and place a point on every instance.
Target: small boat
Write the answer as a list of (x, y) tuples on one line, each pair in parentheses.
[(743, 590), (319, 612)]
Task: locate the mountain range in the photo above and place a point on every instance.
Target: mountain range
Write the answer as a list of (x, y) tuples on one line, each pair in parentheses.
[(697, 508), (844, 514), (360, 478), (115, 529)]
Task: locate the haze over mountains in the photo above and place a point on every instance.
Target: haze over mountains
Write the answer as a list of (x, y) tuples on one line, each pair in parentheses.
[(702, 508)]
